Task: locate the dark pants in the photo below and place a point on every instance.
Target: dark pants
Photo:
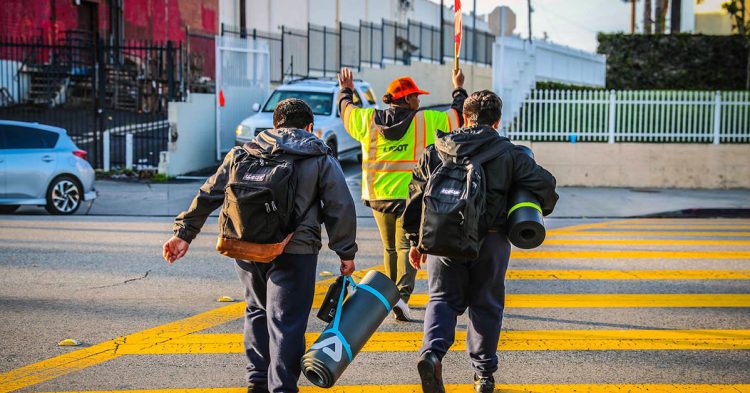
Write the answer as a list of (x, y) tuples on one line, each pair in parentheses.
[(396, 253), (477, 285), (279, 297)]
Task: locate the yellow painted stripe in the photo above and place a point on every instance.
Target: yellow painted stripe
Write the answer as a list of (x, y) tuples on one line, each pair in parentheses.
[(566, 232), (612, 300), (534, 340), (682, 226), (580, 227), (99, 353), (500, 388), (680, 221), (646, 242), (419, 300), (620, 275), (616, 254), (86, 357)]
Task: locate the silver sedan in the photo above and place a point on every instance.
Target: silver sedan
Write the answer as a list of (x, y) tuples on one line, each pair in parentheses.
[(40, 165)]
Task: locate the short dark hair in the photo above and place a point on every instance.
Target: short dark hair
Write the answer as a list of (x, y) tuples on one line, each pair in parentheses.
[(483, 107), (292, 113)]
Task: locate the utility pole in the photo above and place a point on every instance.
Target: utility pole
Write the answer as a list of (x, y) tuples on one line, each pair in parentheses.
[(338, 12), (528, 2), (632, 16), (442, 33), (676, 19), (474, 34)]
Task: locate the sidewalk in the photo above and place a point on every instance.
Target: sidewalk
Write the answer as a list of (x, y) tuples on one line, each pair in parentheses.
[(142, 199)]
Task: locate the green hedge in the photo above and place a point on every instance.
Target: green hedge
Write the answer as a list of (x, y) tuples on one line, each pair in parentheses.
[(563, 86), (674, 61)]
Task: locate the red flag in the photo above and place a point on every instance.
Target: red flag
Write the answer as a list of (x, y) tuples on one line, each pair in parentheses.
[(457, 29)]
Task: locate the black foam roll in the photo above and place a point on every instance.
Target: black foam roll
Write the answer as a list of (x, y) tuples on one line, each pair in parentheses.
[(525, 221), (360, 316)]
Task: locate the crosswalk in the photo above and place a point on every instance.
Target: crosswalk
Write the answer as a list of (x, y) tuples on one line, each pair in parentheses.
[(667, 265)]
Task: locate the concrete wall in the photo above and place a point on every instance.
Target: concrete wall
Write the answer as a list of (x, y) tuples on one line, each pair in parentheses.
[(435, 78), (194, 123), (655, 165), (269, 15)]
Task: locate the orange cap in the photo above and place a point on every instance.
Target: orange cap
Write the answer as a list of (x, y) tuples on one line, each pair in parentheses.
[(402, 87)]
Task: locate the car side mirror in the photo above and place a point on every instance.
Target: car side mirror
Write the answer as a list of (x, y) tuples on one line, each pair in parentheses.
[(256, 107)]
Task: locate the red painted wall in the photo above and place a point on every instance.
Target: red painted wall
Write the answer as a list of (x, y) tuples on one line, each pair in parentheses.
[(157, 20)]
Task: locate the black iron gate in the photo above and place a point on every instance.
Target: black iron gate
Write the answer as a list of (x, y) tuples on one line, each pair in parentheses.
[(94, 90)]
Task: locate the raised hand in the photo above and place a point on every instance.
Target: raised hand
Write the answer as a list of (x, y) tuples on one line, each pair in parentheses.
[(458, 78), (346, 78)]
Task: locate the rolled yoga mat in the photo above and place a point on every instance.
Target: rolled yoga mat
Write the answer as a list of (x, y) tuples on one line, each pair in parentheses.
[(356, 319), (525, 221)]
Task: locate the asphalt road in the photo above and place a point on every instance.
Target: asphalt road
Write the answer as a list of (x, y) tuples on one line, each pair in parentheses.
[(661, 302)]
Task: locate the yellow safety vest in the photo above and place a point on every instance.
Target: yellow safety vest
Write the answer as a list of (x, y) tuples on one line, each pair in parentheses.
[(387, 165)]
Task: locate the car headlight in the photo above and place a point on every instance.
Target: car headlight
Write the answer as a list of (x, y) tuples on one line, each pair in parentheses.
[(242, 130)]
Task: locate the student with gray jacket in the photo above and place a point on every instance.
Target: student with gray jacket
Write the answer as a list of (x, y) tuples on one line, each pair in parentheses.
[(279, 294)]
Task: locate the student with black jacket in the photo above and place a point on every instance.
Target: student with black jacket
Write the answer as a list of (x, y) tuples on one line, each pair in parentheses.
[(456, 284)]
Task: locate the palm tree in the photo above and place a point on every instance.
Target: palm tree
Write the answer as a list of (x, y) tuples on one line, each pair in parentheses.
[(661, 16)]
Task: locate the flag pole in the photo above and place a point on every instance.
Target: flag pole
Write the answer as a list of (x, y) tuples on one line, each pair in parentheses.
[(456, 51), (457, 33)]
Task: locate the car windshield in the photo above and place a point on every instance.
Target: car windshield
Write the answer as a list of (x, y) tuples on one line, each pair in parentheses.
[(321, 103)]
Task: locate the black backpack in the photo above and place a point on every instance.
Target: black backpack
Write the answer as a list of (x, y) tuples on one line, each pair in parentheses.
[(454, 202), (259, 199)]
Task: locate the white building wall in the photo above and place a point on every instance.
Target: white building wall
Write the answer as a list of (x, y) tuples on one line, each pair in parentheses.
[(229, 12), (687, 17), (270, 15), (323, 12)]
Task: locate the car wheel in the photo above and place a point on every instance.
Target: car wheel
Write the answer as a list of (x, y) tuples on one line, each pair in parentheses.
[(64, 196), (334, 147), (7, 209)]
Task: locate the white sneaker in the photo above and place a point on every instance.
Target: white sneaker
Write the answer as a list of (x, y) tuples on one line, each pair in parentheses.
[(401, 311)]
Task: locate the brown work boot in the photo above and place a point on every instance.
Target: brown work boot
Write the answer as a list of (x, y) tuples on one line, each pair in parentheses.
[(431, 372)]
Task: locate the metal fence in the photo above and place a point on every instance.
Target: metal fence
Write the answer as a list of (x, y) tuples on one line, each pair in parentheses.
[(90, 87), (322, 50), (633, 116)]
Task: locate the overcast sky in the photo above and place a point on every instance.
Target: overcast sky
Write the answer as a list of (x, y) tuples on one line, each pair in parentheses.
[(569, 22)]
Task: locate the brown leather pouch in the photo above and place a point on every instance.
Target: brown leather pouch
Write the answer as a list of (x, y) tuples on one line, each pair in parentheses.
[(252, 252)]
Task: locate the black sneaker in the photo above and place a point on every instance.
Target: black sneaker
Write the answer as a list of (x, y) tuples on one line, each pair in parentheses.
[(484, 384), (257, 387), (431, 372)]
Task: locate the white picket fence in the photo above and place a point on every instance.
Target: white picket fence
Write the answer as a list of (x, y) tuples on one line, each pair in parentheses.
[(633, 116)]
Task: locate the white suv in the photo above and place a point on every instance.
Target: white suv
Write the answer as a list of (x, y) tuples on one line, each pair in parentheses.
[(321, 95)]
